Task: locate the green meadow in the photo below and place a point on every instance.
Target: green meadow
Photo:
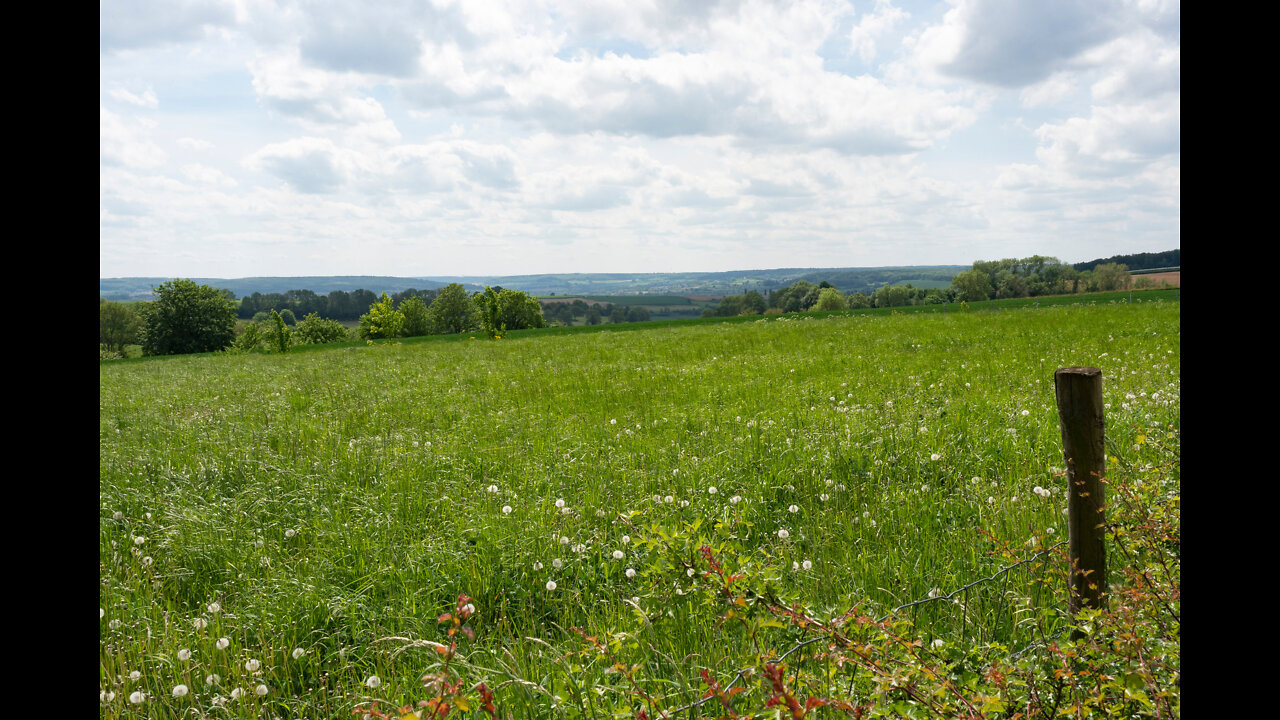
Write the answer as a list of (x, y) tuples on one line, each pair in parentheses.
[(280, 534)]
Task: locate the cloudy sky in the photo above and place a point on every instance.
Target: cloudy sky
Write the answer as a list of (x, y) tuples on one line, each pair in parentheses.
[(460, 137)]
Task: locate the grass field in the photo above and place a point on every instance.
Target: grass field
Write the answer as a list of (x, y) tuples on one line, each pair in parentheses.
[(268, 521)]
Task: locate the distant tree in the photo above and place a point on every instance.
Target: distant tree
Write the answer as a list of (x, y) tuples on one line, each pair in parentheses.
[(503, 310), (417, 321), (830, 298), (754, 303), (637, 313), (188, 318), (251, 338), (593, 315), (287, 315), (382, 320), (618, 315), (118, 325), (315, 330), (1111, 276), (859, 300), (972, 285), (453, 310)]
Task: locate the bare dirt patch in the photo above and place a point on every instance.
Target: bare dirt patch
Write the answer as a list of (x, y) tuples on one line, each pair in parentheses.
[(1172, 279)]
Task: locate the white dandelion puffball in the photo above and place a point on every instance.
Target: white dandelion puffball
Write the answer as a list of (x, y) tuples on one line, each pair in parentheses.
[(506, 509), (560, 502), (136, 697), (139, 540), (493, 488), (212, 680), (783, 534), (617, 555), (237, 694), (551, 585), (106, 696), (794, 509), (631, 572), (795, 566), (557, 563), (373, 683), (712, 490), (223, 643), (667, 499), (184, 654), (806, 565), (537, 565), (935, 457), (179, 691), (251, 665), (200, 623), (260, 691), (938, 643), (135, 675), (298, 652), (101, 613), (290, 533), (214, 607), (564, 539), (117, 515), (613, 421), (626, 539), (735, 499)]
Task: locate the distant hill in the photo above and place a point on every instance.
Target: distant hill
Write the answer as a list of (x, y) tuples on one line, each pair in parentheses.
[(731, 282), (1138, 261)]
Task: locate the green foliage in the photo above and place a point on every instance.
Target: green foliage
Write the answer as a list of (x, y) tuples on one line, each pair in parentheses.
[(252, 338), (417, 319), (453, 310), (831, 299), (279, 337), (315, 330), (188, 318), (503, 310), (972, 285), (382, 321), (1111, 276), (118, 325)]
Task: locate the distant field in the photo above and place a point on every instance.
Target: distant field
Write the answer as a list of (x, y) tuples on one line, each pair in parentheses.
[(1173, 279), (306, 507)]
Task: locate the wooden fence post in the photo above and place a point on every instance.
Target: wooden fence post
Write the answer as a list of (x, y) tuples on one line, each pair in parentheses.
[(1079, 394)]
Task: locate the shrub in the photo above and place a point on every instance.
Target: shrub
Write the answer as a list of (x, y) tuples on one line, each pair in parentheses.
[(315, 330)]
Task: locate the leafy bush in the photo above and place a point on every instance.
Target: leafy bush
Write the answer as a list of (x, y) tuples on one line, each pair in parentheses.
[(382, 320), (315, 330), (188, 318)]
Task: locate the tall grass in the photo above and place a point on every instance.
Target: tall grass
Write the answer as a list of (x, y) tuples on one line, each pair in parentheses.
[(327, 500)]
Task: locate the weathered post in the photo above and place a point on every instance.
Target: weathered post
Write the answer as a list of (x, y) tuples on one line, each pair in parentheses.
[(1079, 393)]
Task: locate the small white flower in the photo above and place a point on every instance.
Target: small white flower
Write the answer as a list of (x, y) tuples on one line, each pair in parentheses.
[(373, 683), (795, 566), (824, 497), (117, 515), (101, 613), (626, 539), (551, 584), (298, 652), (631, 572), (689, 572), (935, 457), (806, 565), (135, 675), (618, 555), (179, 691), (493, 488), (783, 534), (136, 697), (215, 607), (251, 665), (873, 523), (261, 691), (106, 696), (560, 503), (793, 509), (1026, 413), (223, 643), (114, 624), (564, 539), (557, 564), (537, 565), (237, 694), (200, 623), (938, 643), (290, 533), (667, 499), (990, 500), (712, 490), (212, 680), (735, 499), (613, 421), (1050, 530), (184, 654), (139, 540), (506, 509)]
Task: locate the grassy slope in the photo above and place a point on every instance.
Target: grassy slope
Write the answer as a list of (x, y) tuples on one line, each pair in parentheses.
[(329, 498)]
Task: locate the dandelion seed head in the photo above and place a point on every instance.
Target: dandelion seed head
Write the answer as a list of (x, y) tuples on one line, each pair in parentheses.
[(631, 572), (551, 585), (179, 691)]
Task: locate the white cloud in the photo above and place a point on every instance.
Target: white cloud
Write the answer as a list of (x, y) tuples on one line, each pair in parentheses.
[(134, 24), (873, 26), (124, 141), (147, 99)]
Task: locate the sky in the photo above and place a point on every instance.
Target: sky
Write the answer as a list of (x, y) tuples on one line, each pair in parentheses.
[(422, 138)]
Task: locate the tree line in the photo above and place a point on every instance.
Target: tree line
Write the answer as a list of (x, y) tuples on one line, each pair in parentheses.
[(186, 317)]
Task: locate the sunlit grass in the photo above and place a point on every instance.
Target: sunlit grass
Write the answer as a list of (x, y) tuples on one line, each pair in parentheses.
[(325, 500)]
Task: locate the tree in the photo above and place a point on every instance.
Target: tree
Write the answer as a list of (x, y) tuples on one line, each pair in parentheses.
[(453, 310), (1111, 276), (118, 325), (971, 285), (417, 321), (830, 298), (315, 330), (503, 310), (382, 320), (188, 318)]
